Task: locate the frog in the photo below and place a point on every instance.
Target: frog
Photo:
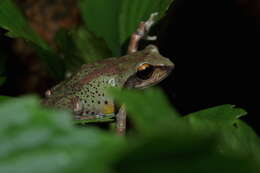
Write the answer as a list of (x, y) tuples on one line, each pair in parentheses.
[(85, 92)]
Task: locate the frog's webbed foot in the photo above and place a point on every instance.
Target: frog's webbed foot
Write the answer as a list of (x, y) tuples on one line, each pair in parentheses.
[(141, 33), (84, 119)]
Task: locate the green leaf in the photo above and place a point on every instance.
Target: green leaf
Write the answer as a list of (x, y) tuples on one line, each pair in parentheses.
[(35, 139), (187, 154), (218, 118), (149, 109), (13, 21), (80, 46), (234, 138), (91, 48), (101, 17), (116, 20), (223, 112), (132, 12)]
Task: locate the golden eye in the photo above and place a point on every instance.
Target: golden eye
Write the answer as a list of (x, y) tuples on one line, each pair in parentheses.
[(143, 67), (144, 71)]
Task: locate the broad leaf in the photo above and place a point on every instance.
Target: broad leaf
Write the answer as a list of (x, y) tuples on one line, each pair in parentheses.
[(223, 112), (91, 48), (101, 18), (234, 138), (80, 46), (183, 152), (205, 145)]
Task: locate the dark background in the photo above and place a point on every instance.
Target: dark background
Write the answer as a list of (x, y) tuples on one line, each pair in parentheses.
[(214, 45)]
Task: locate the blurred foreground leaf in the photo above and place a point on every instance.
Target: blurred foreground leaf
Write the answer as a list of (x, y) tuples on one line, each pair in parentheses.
[(149, 109), (34, 139), (13, 21)]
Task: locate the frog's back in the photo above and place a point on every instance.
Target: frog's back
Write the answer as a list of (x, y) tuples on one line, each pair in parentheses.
[(87, 87)]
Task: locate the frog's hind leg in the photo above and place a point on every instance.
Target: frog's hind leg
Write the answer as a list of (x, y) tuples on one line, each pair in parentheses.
[(141, 33), (78, 110)]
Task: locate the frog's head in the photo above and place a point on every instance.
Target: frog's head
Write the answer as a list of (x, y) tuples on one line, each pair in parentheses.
[(148, 69)]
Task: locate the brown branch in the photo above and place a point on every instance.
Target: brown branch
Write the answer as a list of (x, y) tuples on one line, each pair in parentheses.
[(141, 33)]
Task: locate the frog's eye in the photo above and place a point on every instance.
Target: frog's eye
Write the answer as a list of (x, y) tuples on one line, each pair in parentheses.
[(144, 71)]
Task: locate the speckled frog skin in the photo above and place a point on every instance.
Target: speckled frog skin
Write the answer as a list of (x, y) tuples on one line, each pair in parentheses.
[(85, 92)]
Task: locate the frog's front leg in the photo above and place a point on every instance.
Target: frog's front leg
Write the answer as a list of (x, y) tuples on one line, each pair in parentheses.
[(121, 121), (141, 32), (80, 117)]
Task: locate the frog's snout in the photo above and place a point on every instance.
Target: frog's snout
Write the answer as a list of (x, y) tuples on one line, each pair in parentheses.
[(167, 67)]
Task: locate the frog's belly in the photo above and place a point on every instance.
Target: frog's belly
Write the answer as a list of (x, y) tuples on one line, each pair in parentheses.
[(80, 107)]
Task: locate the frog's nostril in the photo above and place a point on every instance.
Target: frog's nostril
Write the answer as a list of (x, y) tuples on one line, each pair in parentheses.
[(166, 68)]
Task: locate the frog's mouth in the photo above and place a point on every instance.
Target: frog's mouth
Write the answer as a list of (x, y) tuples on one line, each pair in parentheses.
[(148, 77)]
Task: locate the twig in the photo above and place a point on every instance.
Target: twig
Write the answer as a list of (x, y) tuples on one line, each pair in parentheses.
[(141, 33)]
